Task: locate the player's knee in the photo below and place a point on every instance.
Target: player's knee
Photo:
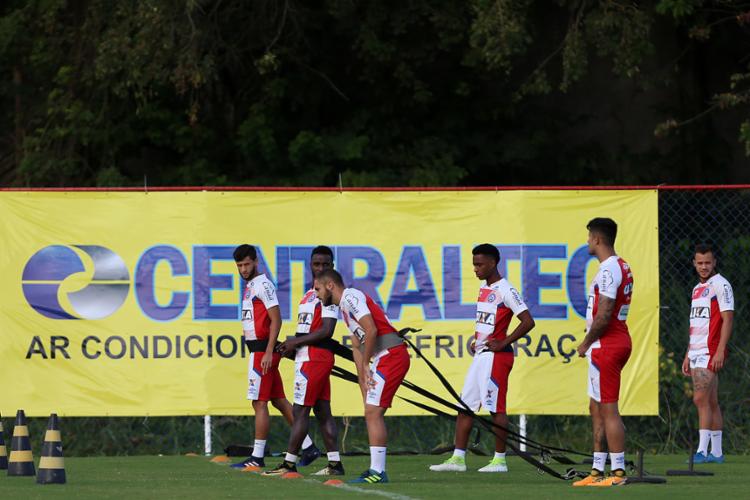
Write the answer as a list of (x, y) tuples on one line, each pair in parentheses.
[(260, 405), (700, 398)]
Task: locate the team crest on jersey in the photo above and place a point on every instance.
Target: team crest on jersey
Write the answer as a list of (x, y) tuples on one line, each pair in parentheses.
[(705, 293), (491, 297)]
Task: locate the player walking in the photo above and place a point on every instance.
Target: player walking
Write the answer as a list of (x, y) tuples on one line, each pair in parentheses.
[(314, 362), (607, 345), (380, 356), (711, 318), (486, 382)]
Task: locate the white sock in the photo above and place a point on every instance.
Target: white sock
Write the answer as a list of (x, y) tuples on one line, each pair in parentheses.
[(333, 456), (259, 448), (290, 458), (458, 452), (600, 461), (499, 455), (377, 458), (716, 443), (617, 461), (307, 442), (704, 435)]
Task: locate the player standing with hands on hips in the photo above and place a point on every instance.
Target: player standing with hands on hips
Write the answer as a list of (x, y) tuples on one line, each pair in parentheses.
[(607, 346), (486, 383)]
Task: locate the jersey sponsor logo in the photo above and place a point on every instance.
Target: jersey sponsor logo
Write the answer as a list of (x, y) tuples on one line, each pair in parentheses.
[(352, 301), (247, 315), (304, 319), (360, 333), (269, 290), (727, 294), (516, 296), (700, 312), (486, 318), (48, 268), (607, 280)]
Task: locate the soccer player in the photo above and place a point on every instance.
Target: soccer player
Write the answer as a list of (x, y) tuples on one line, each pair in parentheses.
[(607, 345), (380, 356), (711, 317), (314, 362), (486, 382), (261, 323)]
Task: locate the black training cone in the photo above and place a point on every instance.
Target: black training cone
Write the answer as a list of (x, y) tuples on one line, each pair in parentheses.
[(21, 462), (51, 465), (3, 451)]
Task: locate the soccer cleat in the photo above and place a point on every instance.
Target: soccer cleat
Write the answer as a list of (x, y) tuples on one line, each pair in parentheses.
[(309, 455), (715, 460), (594, 476), (699, 458), (453, 464), (249, 462), (617, 478), (282, 469), (495, 465), (371, 477), (332, 469)]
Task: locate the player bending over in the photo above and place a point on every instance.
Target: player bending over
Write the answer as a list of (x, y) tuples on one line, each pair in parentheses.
[(380, 356)]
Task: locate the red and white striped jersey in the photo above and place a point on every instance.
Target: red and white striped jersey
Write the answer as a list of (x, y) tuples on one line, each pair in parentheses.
[(709, 300), (615, 281), (496, 305), (259, 297), (355, 305), (310, 316)]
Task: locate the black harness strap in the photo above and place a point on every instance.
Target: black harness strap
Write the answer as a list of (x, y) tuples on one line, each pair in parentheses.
[(468, 411), (543, 468)]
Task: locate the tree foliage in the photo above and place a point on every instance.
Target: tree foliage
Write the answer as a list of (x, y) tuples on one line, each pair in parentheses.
[(284, 92)]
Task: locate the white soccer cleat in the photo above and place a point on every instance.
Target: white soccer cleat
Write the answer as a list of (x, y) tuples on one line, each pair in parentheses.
[(495, 465), (453, 464)]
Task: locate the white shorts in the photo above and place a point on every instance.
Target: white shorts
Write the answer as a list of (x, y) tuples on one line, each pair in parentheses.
[(486, 383), (699, 360)]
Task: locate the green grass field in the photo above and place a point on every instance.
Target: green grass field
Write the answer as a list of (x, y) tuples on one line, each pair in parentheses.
[(167, 477)]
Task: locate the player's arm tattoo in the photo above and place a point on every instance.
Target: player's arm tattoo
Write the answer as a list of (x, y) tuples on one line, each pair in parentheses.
[(601, 320)]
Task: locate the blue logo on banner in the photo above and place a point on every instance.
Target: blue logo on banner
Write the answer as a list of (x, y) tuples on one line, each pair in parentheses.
[(47, 269)]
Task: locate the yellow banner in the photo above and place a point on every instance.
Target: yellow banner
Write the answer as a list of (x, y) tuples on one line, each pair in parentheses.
[(128, 303)]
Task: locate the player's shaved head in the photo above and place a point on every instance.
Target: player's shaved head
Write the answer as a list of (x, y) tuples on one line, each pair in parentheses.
[(330, 276)]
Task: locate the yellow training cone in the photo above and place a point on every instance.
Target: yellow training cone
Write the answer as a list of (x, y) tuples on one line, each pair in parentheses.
[(3, 451), (20, 462), (51, 465)]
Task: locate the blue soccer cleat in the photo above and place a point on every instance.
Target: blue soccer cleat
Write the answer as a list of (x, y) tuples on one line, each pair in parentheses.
[(699, 458), (371, 477), (255, 462), (309, 455), (715, 460)]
